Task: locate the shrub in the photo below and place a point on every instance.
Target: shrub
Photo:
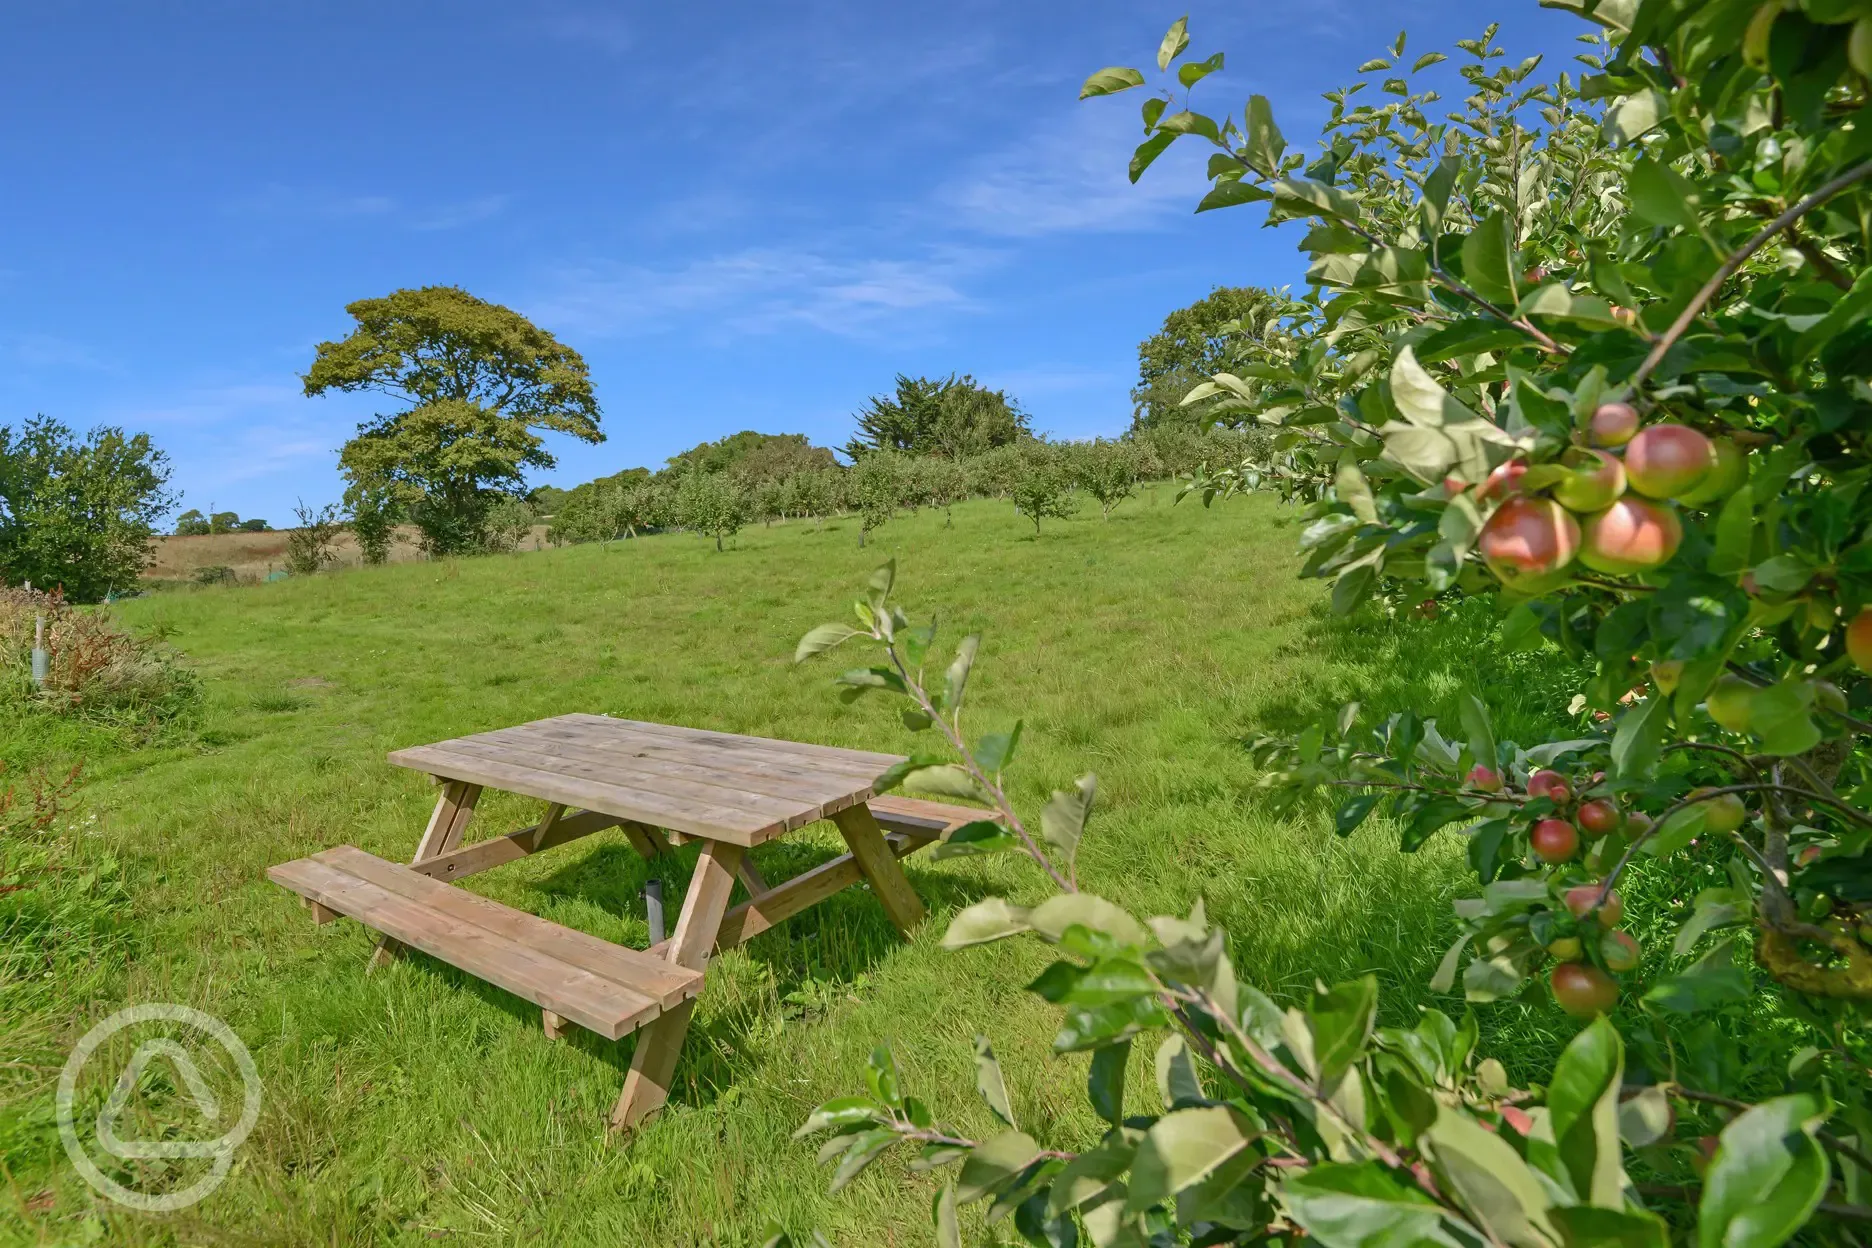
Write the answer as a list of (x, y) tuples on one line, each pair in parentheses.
[(508, 523), (309, 546), (1042, 487), (95, 669)]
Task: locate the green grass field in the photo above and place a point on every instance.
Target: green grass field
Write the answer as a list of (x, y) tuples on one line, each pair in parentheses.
[(418, 1105)]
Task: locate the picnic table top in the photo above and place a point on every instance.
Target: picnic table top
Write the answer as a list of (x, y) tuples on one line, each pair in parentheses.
[(719, 786)]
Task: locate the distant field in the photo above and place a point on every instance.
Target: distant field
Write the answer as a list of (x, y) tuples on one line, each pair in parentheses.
[(418, 1105), (253, 555)]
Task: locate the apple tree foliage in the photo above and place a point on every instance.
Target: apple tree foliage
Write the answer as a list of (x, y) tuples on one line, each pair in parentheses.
[(1594, 348)]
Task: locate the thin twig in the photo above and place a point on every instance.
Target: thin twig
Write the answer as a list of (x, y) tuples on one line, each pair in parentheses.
[(1694, 308)]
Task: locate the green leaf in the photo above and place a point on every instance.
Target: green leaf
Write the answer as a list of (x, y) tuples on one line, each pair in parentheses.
[(839, 1113), (1053, 916), (990, 919), (1419, 397), (1582, 1104), (1639, 740), (993, 1165), (823, 638), (989, 1083), (878, 587), (956, 680), (1063, 818), (1363, 1205), (1111, 79), (881, 1074), (1092, 1172), (1152, 110), (1436, 194), (943, 1214), (1445, 977), (1659, 195), (1713, 908), (1107, 1024), (1426, 61), (1305, 197), (1352, 489), (1105, 1081), (1230, 193), (1341, 1021), (1353, 810), (1634, 116), (944, 780), (1476, 725), (996, 749), (1266, 145), (1174, 41), (1712, 981), (980, 836), (1645, 1119), (1149, 150), (1767, 1176), (1193, 72), (1184, 1147), (1780, 716), (1487, 259), (1177, 1080), (1583, 1226), (863, 1151), (1488, 1179)]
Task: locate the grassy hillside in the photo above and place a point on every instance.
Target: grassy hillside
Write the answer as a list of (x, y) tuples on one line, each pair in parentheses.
[(418, 1104)]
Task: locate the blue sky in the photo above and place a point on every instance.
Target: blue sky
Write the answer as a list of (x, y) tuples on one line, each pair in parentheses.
[(743, 215)]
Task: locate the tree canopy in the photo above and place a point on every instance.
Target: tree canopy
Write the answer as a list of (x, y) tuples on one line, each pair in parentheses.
[(78, 513), (481, 380), (755, 457), (952, 417), (1224, 327)]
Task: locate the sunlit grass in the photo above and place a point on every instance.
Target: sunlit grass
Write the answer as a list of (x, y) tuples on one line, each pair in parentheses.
[(419, 1102)]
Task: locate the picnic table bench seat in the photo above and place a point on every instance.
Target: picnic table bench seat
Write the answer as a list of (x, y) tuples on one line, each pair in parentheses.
[(662, 785)]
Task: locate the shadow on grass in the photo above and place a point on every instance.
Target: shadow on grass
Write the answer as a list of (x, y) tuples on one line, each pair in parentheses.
[(831, 947), (1422, 665)]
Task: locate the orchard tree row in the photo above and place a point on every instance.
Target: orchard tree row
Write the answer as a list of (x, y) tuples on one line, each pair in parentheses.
[(1585, 350)]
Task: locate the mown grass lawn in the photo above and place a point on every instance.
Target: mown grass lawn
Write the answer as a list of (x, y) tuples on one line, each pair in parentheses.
[(419, 1105)]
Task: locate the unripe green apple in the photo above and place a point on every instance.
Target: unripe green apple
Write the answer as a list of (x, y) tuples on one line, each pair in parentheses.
[(1666, 461), (1667, 673), (1724, 479), (1731, 702), (1527, 539), (1593, 481), (1567, 949), (1723, 813), (1632, 535)]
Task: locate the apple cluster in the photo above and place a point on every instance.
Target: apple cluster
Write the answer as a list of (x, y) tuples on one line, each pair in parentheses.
[(1589, 944), (1616, 515)]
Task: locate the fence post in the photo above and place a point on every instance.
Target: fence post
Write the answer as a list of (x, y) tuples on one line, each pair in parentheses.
[(40, 660)]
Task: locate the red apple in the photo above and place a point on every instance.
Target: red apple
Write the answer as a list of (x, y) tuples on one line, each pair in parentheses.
[(1595, 479), (1859, 639), (1722, 812), (1504, 481), (1583, 991), (1554, 840), (1613, 424), (1550, 784), (1581, 898), (1528, 539), (1724, 479), (1619, 951), (1632, 535), (1664, 461), (1598, 817), (1484, 777)]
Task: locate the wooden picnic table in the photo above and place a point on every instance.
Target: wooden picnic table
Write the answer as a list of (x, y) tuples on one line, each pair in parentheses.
[(660, 784)]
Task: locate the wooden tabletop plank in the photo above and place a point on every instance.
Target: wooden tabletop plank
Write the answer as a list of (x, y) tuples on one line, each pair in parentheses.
[(629, 968), (751, 754), (736, 827), (735, 740), (643, 757), (589, 1000)]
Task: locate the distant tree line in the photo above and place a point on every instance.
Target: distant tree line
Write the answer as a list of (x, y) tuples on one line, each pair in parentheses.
[(192, 523)]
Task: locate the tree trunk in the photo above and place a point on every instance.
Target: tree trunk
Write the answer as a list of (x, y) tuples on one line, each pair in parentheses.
[(718, 545), (861, 537)]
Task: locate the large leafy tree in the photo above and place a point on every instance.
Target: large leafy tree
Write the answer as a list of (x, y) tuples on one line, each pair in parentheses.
[(482, 383), (1210, 336), (78, 512), (1591, 353), (755, 457), (953, 416)]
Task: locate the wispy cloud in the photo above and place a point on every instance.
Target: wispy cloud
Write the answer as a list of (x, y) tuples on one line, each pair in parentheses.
[(239, 431), (760, 290), (278, 201), (51, 351), (1070, 175)]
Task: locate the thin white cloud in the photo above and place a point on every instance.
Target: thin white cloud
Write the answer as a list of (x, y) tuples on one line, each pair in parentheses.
[(758, 290), (51, 351), (1070, 175)]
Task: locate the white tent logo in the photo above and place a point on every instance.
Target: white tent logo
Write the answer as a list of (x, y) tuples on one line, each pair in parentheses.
[(218, 1152)]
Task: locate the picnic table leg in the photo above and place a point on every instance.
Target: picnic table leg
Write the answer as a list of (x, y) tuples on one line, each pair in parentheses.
[(653, 1065), (452, 812), (874, 857)]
